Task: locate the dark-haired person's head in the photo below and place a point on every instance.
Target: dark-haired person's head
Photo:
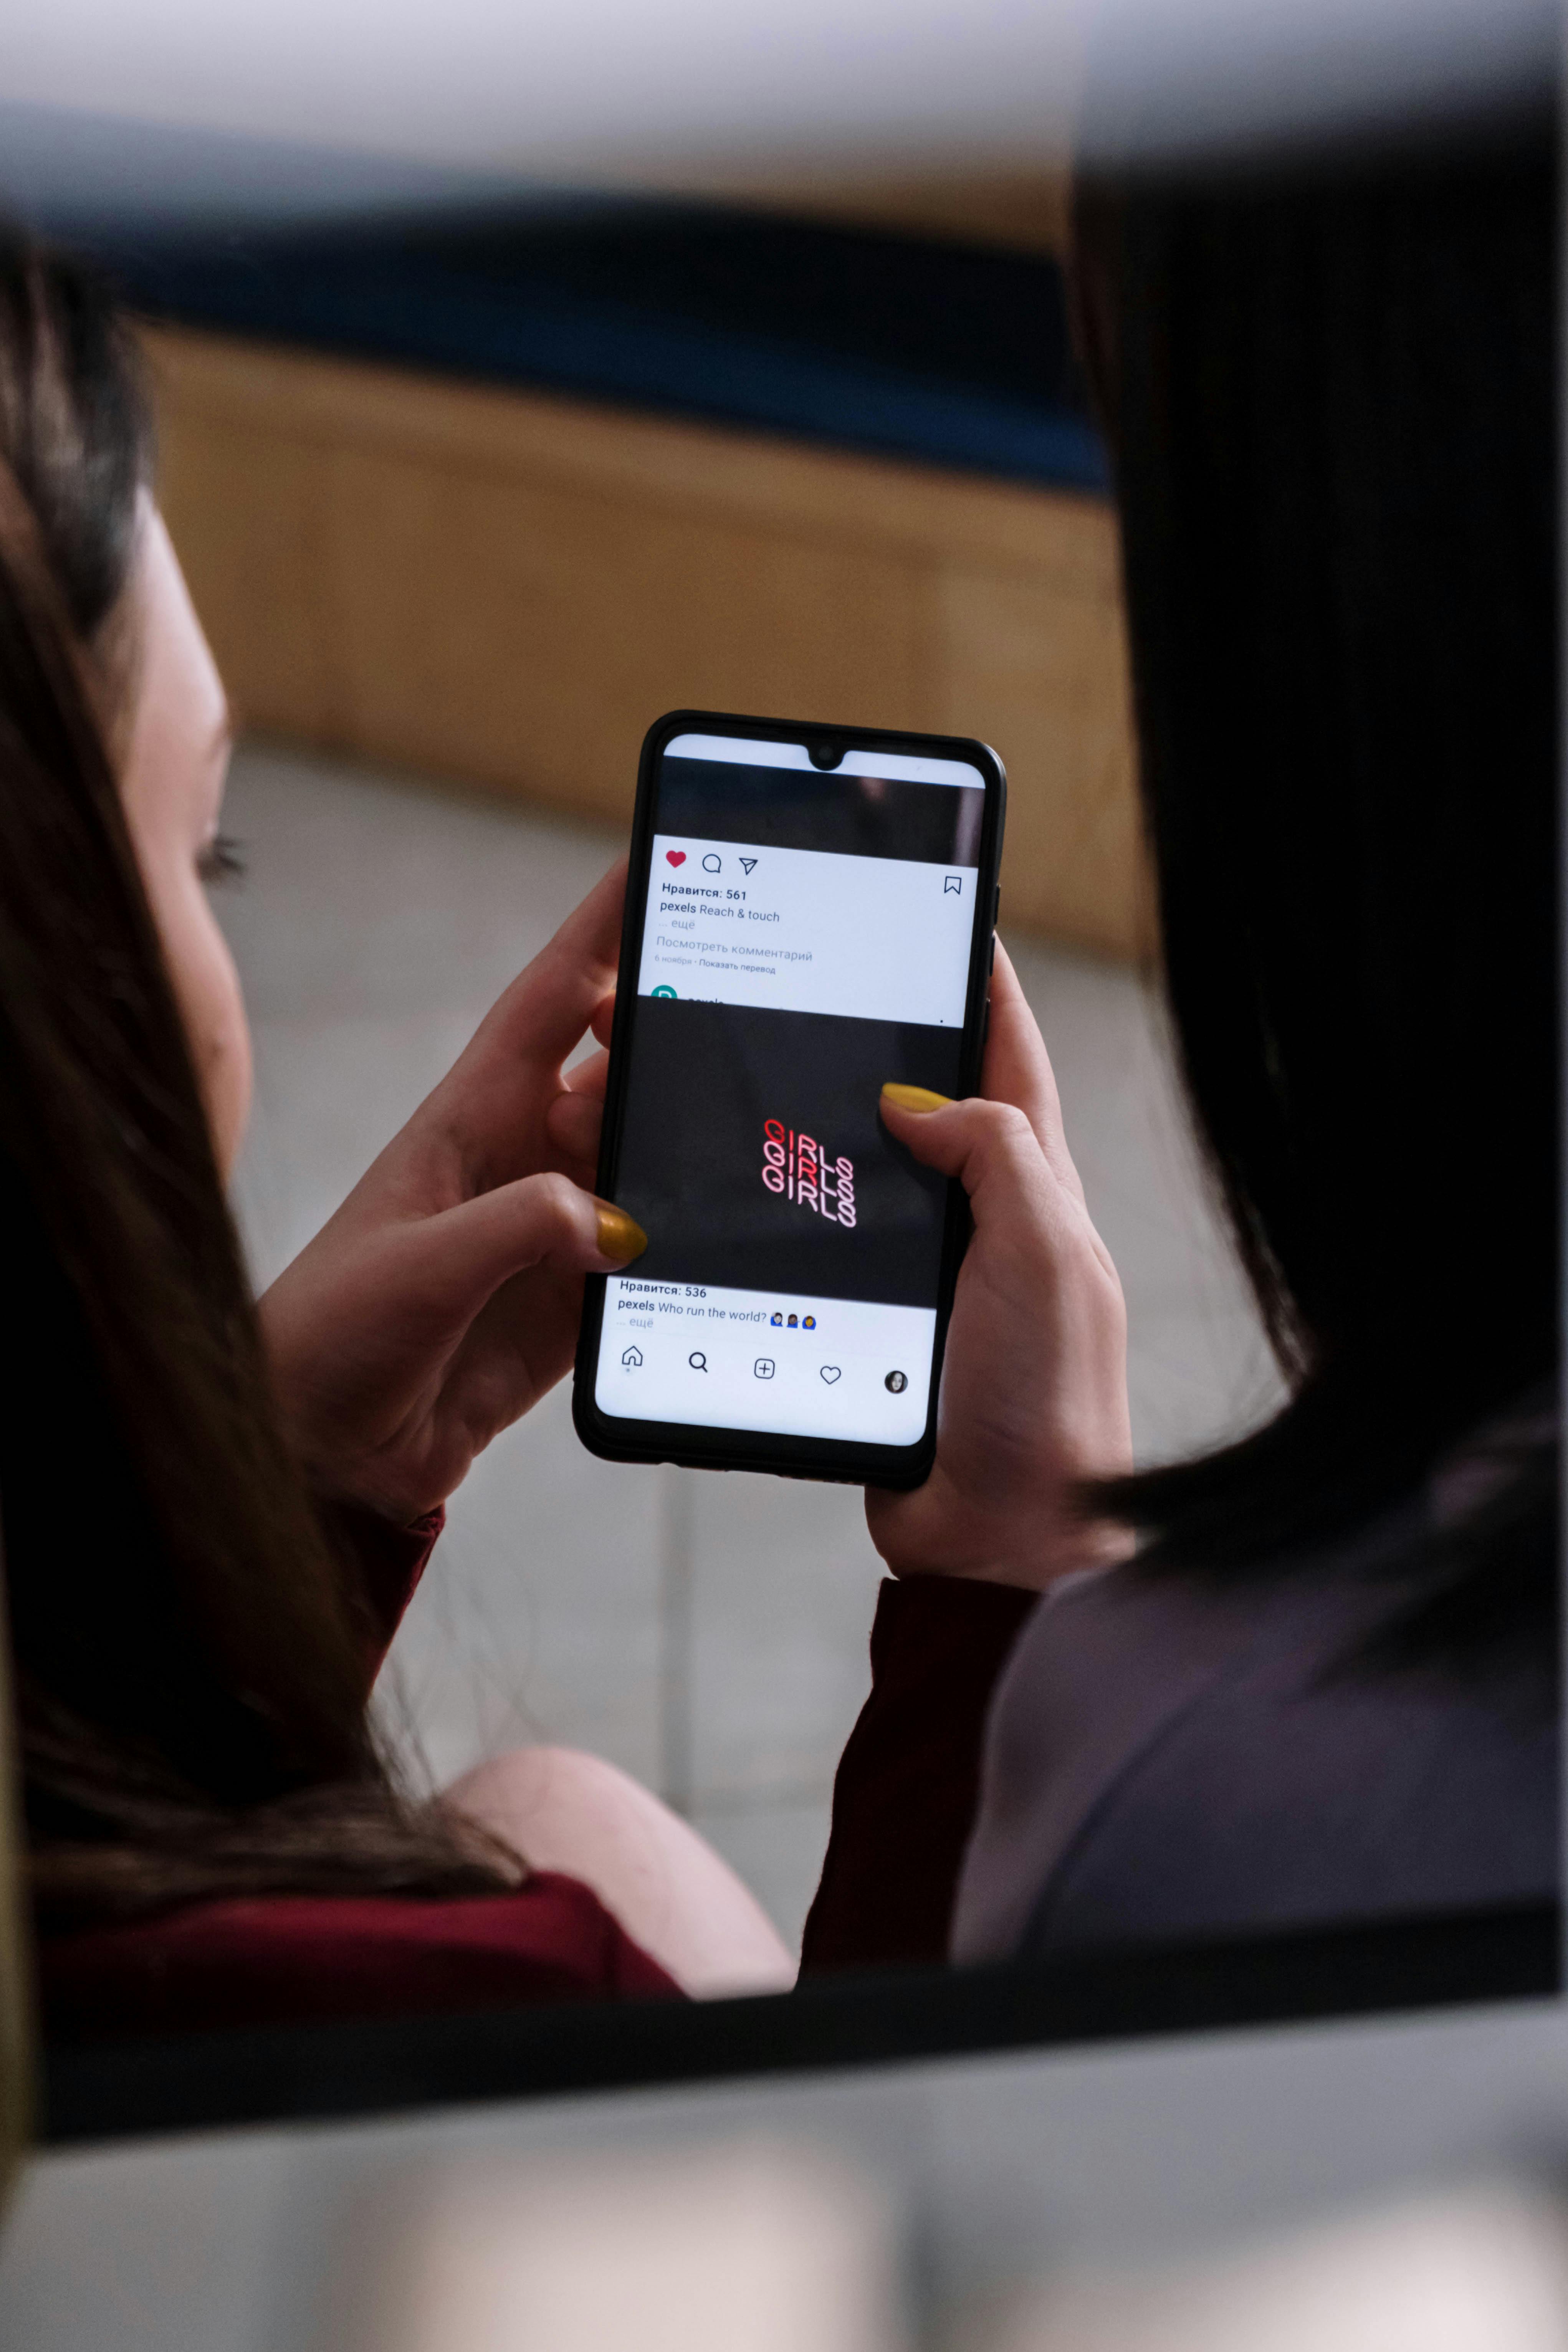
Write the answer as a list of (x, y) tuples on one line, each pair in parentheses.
[(1330, 388), (190, 1669)]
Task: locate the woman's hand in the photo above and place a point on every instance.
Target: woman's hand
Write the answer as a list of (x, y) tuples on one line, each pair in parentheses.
[(442, 1300), (1034, 1388)]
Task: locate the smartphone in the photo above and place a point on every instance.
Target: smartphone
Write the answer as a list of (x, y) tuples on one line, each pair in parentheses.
[(810, 912)]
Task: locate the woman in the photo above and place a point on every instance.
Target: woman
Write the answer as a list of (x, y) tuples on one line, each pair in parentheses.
[(1326, 1689), (212, 1522), (1370, 1574)]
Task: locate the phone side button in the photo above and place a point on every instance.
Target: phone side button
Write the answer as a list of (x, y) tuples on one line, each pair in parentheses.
[(991, 965)]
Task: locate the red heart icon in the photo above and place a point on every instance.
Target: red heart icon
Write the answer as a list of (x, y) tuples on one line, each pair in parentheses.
[(676, 857)]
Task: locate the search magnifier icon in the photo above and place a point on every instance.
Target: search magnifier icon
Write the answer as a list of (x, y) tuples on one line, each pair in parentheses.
[(699, 1363)]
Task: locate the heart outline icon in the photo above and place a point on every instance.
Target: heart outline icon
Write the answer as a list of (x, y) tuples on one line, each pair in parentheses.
[(676, 857), (831, 1372)]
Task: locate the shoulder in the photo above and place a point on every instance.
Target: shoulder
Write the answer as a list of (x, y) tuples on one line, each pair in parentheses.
[(306, 1958), (1172, 1755)]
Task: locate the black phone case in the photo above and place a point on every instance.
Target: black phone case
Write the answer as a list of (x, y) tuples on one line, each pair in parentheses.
[(700, 1448)]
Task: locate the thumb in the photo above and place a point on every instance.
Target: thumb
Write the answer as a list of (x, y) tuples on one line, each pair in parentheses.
[(1019, 1201), (455, 1262), (983, 1144)]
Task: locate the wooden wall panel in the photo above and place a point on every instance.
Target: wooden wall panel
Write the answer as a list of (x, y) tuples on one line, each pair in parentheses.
[(1040, 670), (504, 589), (245, 504), (524, 634), (1024, 207)]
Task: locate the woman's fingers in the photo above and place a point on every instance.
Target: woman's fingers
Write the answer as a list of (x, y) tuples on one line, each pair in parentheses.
[(576, 1115), (1016, 1191), (971, 1140), (519, 1225), (453, 1263), (589, 1077), (574, 1121), (1018, 1097), (487, 1117), (1017, 1068), (551, 1005)]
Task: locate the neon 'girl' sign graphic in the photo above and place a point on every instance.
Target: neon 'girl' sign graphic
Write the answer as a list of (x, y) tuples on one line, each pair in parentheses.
[(796, 1166)]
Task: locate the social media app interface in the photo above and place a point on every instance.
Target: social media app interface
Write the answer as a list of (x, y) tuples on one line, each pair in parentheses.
[(758, 1359), (808, 935), (808, 931)]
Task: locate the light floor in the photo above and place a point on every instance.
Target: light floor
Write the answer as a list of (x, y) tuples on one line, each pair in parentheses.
[(708, 1633)]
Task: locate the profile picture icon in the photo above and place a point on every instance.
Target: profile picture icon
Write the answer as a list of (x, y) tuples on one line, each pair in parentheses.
[(794, 1323), (808, 1322), (776, 1318)]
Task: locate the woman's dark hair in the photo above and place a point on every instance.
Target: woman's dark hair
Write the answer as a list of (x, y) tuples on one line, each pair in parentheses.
[(191, 1657), (1330, 390)]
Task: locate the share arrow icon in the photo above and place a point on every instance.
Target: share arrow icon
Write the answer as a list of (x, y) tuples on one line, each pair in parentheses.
[(747, 864)]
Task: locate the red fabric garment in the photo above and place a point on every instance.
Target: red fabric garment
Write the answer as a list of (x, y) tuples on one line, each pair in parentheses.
[(909, 1781), (294, 1958), (300, 1960)]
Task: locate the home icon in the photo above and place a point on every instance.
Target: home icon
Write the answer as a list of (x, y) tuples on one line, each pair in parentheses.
[(632, 1358)]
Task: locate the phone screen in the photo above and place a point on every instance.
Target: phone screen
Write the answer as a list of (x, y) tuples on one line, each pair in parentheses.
[(806, 936)]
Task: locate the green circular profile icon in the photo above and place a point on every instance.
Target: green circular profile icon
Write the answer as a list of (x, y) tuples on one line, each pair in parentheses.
[(664, 992)]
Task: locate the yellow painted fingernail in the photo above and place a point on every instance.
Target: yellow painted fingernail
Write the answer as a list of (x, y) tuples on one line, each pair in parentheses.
[(914, 1097), (619, 1236)]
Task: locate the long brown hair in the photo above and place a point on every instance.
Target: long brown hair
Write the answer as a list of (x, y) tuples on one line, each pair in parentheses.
[(190, 1660)]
